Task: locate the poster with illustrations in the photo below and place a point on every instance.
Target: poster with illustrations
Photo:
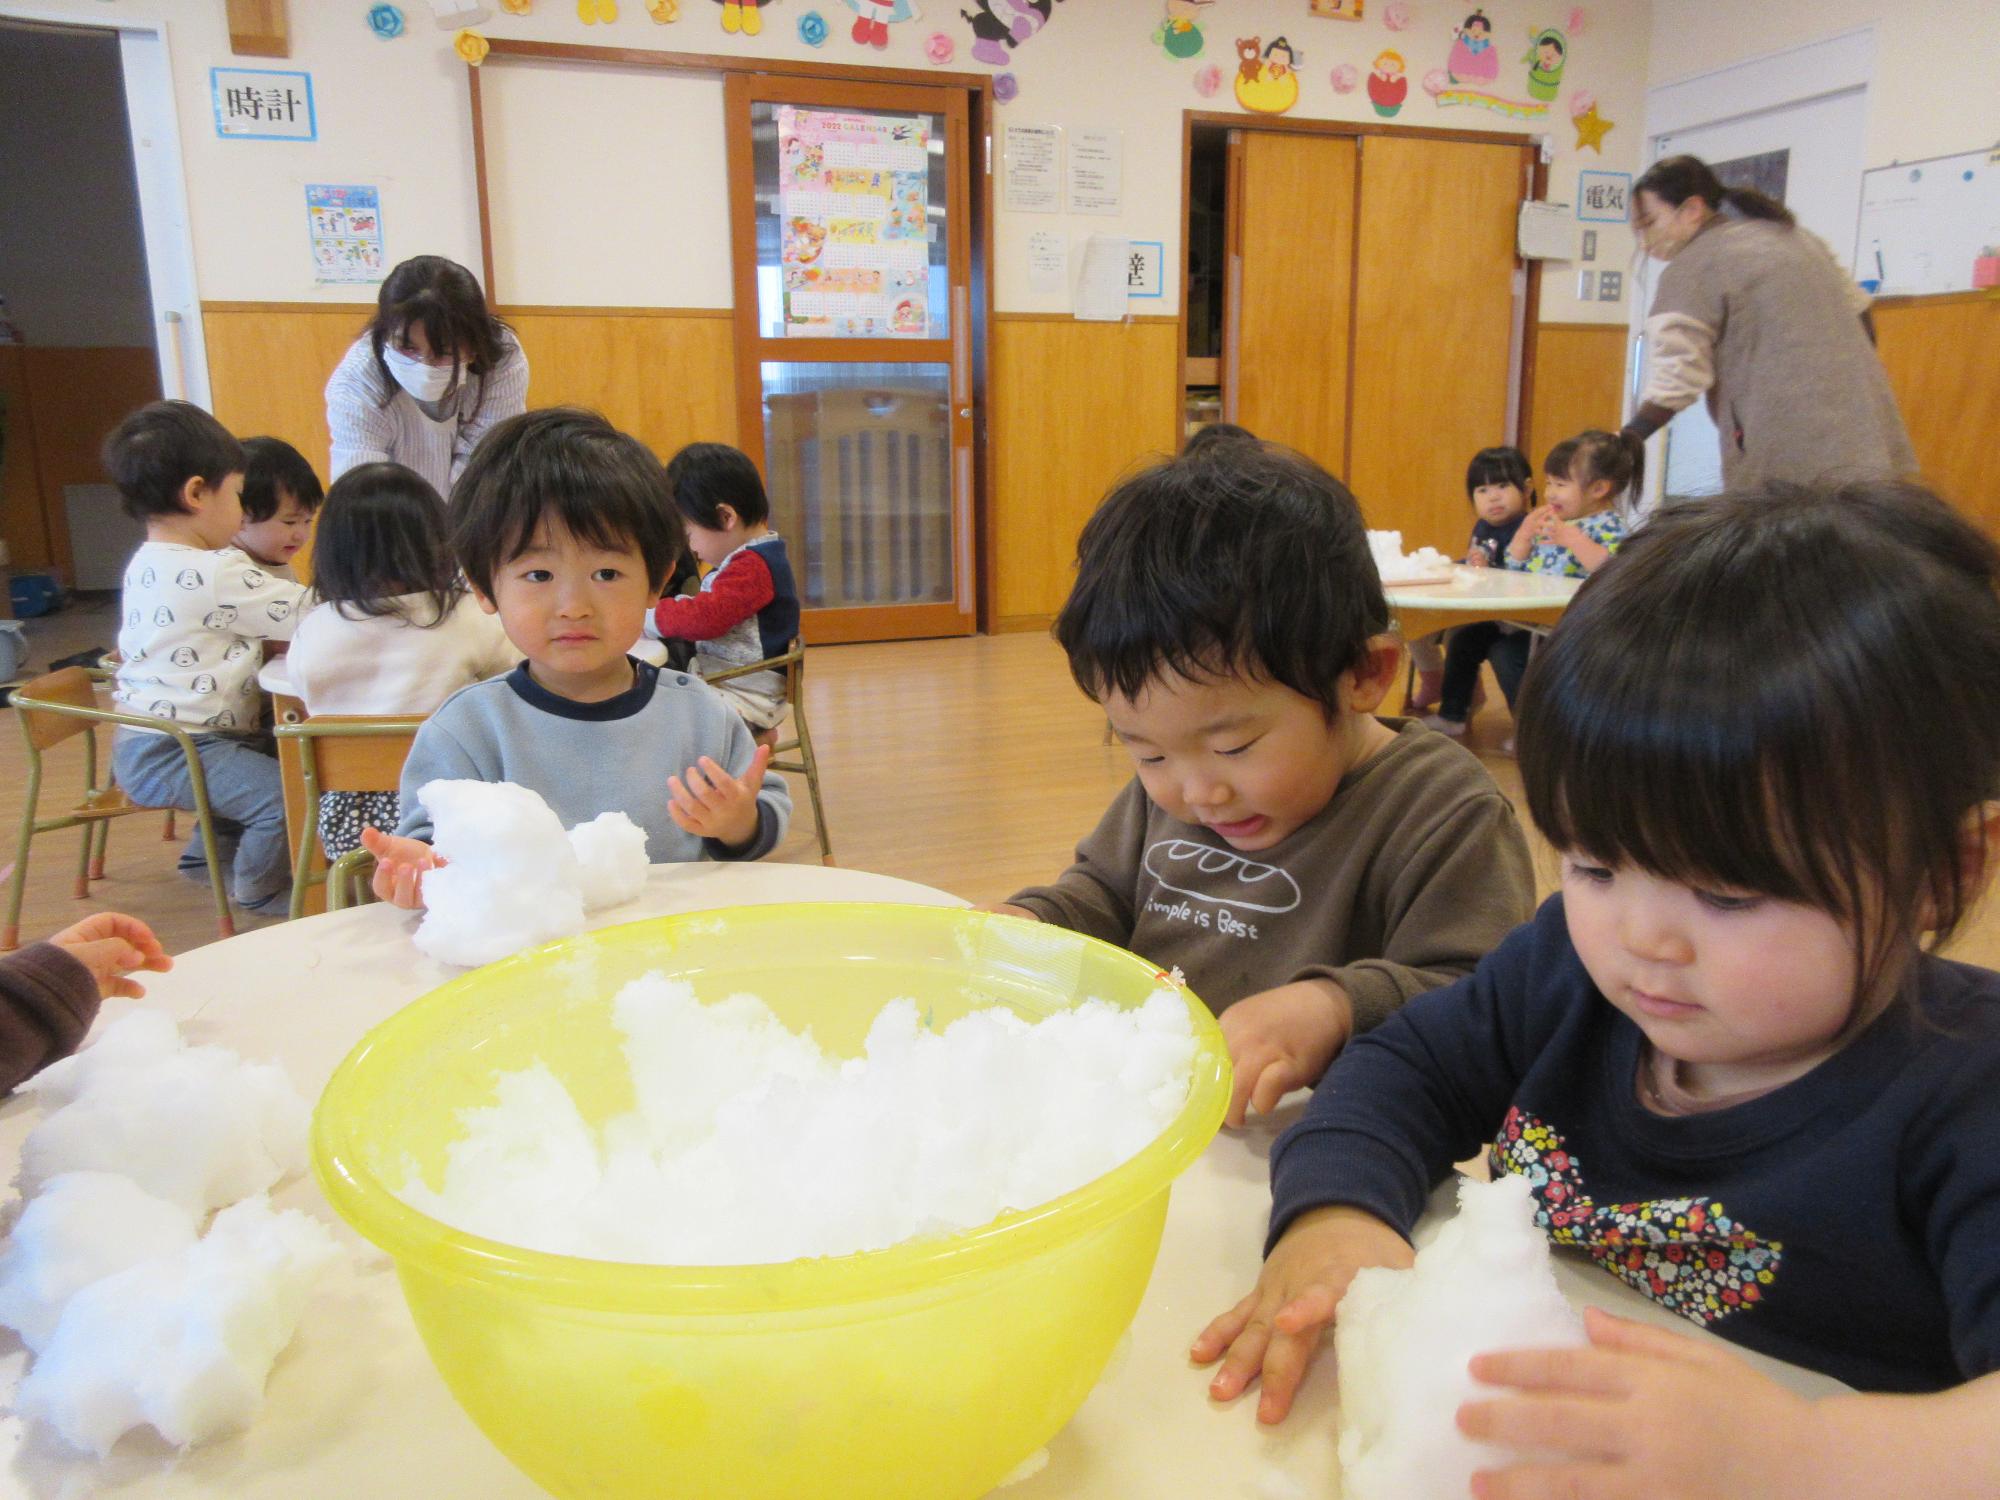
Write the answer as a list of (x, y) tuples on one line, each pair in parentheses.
[(345, 225), (853, 200)]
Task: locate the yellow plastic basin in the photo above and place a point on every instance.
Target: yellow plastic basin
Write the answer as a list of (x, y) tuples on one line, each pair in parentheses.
[(928, 1371)]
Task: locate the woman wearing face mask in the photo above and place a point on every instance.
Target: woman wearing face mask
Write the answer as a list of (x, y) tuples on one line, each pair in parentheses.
[(432, 373), (1754, 313)]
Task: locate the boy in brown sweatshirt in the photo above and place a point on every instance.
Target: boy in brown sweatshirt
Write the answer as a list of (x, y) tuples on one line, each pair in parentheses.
[(1308, 866)]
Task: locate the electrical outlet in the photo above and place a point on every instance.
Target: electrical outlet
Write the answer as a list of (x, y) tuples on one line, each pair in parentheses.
[(1610, 285), (1586, 286), (1590, 244)]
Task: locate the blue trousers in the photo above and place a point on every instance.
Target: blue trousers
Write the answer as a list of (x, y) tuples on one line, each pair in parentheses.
[(243, 789)]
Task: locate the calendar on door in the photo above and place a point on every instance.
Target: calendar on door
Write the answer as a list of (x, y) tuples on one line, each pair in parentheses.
[(853, 213)]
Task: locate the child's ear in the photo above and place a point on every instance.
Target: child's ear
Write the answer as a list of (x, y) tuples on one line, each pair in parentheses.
[(195, 493), (1979, 850), (1364, 686), (484, 603), (726, 514)]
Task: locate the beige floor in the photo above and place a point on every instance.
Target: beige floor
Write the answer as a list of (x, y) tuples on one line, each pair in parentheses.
[(970, 765)]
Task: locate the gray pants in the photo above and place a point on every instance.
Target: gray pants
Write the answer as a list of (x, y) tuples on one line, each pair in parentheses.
[(243, 790)]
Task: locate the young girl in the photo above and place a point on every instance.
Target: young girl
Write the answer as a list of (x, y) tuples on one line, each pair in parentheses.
[(1501, 487), (1734, 1070), (392, 630), (748, 608), (1589, 479)]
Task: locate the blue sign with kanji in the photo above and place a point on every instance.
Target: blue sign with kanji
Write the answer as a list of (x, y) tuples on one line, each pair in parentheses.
[(263, 104)]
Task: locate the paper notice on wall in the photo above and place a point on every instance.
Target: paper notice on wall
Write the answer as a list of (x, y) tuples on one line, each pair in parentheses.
[(853, 215), (1100, 286), (1545, 231), (1096, 165), (345, 226), (1048, 262), (1033, 161)]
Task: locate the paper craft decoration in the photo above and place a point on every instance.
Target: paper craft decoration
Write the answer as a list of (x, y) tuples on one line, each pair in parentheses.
[(471, 46), (1577, 19), (517, 7), (812, 29), (1006, 88), (1208, 81), (873, 18), (663, 12), (590, 12), (1396, 16), (1179, 31), (1002, 25), (853, 199), (1474, 59), (1590, 129), (940, 48), (1545, 58), (1336, 10), (385, 21), (746, 17), (1345, 79), (1388, 84), (1267, 79)]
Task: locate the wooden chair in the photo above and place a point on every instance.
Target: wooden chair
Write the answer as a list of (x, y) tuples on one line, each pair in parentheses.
[(332, 753), (59, 706), (793, 665)]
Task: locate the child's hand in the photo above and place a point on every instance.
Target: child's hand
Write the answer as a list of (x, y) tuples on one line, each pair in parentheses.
[(1566, 534), (112, 945), (1532, 526), (1282, 1039), (711, 804), (1277, 1328), (1477, 558), (1008, 909), (1644, 1412), (399, 867)]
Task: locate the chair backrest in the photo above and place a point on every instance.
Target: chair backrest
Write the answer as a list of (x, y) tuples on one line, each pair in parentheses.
[(71, 686), (352, 752)]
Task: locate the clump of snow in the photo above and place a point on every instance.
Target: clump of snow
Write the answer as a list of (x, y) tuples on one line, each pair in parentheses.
[(749, 1145), (1405, 1338), (196, 1126), (182, 1340), (512, 878), (1396, 566), (82, 1227)]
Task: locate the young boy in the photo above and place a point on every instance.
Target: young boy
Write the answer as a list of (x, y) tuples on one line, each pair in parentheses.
[(196, 610), (565, 531), (748, 607), (280, 495), (1308, 866)]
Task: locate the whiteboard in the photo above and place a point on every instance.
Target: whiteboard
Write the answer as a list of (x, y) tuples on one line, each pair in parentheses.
[(1924, 222)]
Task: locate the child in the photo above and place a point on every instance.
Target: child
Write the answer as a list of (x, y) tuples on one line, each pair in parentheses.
[(280, 494), (1590, 478), (1308, 866), (392, 629), (748, 607), (1767, 747), (49, 991), (565, 530), (196, 609), (1501, 487)]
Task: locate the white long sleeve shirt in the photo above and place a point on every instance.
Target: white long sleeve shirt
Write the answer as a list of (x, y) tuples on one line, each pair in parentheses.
[(390, 664)]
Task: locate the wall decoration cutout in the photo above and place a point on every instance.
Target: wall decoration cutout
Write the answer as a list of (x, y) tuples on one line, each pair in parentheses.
[(517, 7), (939, 48), (1590, 125), (1345, 79), (747, 17), (1577, 19), (664, 12), (1397, 16), (1208, 81), (1546, 56), (1002, 25), (471, 46), (1336, 10), (1474, 59), (1388, 84), (385, 21), (590, 12), (873, 18), (1179, 31), (813, 29), (456, 15), (1267, 79), (1006, 88)]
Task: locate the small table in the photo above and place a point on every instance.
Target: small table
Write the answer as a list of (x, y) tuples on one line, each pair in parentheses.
[(356, 1408), (1474, 594)]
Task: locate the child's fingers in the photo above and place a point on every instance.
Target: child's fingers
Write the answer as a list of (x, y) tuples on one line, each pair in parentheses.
[(124, 989), (1587, 1372), (1221, 1332), (1285, 1364), (1580, 1427), (1609, 1331), (1278, 1079), (1244, 1359), (1310, 1311), (1546, 1481)]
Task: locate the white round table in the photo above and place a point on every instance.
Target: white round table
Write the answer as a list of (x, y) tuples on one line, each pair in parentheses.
[(1473, 594), (354, 1407)]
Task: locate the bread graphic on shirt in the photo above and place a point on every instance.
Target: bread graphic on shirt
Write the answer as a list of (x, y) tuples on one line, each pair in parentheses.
[(1225, 877)]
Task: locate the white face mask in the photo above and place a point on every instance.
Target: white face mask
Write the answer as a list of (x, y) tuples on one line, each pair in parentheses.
[(425, 382)]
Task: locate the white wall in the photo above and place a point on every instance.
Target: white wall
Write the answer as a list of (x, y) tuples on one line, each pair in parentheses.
[(71, 263), (1936, 89), (394, 114)]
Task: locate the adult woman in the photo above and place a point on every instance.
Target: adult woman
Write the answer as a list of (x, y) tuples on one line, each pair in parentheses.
[(433, 371), (1754, 313)]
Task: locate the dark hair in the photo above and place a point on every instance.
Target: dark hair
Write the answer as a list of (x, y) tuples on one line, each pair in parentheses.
[(1675, 179), (706, 475), (1249, 560), (1500, 466), (382, 534), (1478, 17), (1557, 463), (564, 467), (1290, 51), (443, 299), (1202, 439), (1598, 455), (269, 466), (153, 453), (1787, 691)]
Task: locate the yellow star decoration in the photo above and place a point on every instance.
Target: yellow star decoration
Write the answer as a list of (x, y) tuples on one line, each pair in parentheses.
[(1590, 128), (471, 46)]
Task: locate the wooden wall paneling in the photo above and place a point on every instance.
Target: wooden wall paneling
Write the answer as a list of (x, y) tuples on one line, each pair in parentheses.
[(1434, 274), (666, 377), (1073, 406), (1294, 225), (268, 364), (1943, 358), (75, 397), (22, 522), (1579, 384)]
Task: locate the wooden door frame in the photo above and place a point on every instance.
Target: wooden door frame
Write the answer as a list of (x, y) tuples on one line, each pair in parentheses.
[(1538, 185), (979, 102)]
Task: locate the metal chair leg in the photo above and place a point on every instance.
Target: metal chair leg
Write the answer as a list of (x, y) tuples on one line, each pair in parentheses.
[(103, 844), (10, 938), (225, 922), (167, 833)]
